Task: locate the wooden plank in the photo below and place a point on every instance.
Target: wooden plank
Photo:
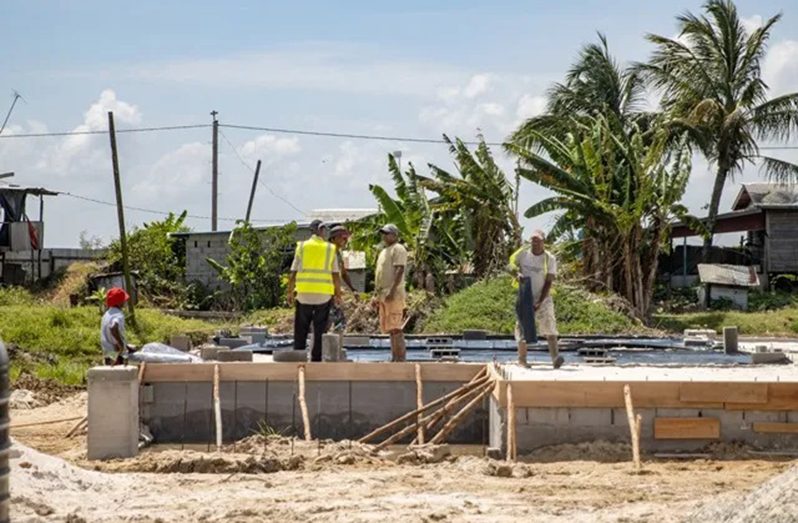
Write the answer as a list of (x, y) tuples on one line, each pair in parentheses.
[(742, 392), (781, 396), (776, 428), (686, 428), (328, 371), (600, 394)]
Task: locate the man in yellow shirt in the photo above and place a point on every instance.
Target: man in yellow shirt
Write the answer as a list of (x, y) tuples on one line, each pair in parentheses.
[(389, 287)]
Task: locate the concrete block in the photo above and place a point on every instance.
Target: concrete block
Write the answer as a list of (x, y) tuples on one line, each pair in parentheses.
[(707, 333), (212, 353), (113, 424), (330, 349), (146, 394), (235, 355), (475, 335), (251, 399), (647, 416), (234, 343), (792, 416), (497, 425), (329, 409), (280, 355), (730, 340), (550, 416), (357, 341), (375, 403), (256, 334), (282, 408), (590, 417), (763, 358), (765, 416), (676, 413), (180, 342)]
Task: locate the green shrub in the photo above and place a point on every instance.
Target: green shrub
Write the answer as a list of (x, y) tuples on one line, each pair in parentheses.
[(490, 305), (15, 296)]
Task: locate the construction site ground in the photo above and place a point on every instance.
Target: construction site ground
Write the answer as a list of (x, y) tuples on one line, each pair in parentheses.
[(274, 478)]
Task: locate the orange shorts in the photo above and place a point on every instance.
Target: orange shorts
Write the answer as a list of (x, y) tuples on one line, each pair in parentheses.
[(392, 315)]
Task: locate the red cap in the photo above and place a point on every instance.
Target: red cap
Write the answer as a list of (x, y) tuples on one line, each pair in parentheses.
[(116, 297)]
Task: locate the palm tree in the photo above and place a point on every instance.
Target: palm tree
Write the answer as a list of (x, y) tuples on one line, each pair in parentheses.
[(481, 200), (711, 84), (594, 85), (620, 187)]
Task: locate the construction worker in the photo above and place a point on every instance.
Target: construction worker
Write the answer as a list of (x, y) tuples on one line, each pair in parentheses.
[(540, 266), (112, 328), (389, 287), (313, 285), (339, 236)]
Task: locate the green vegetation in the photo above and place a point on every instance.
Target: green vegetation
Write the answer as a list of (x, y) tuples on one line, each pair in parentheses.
[(61, 343), (159, 258), (783, 322), (254, 266), (489, 305)]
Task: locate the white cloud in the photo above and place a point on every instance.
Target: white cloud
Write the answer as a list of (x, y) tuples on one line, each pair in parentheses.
[(529, 106), (478, 84), (780, 68), (752, 23), (268, 148)]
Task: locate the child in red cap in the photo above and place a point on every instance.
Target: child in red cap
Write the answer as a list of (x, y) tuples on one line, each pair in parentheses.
[(112, 328)]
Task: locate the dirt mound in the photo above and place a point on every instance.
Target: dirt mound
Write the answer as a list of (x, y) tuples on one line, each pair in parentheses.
[(362, 317), (190, 461), (775, 501), (73, 281), (601, 451), (45, 391), (23, 399)]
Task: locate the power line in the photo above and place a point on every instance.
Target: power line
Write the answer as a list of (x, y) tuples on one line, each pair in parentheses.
[(353, 136), (154, 211), (260, 182), (282, 130), (118, 131)]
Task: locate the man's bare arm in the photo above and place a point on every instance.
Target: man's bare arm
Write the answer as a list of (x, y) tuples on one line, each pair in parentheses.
[(398, 279), (117, 337)]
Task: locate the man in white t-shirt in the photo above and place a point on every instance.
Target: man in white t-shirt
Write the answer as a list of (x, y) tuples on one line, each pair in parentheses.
[(112, 328), (540, 266)]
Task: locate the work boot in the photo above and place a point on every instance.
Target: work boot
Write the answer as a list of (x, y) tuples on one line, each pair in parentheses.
[(554, 350)]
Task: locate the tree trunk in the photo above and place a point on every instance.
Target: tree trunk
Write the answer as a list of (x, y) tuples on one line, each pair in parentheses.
[(714, 204)]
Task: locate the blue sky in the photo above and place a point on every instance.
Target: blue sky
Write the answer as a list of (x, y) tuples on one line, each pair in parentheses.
[(402, 68)]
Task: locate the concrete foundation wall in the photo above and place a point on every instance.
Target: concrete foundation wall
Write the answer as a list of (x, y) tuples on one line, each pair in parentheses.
[(183, 412), (540, 427)]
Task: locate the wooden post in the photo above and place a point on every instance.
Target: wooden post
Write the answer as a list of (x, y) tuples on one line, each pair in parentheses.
[(120, 212), (634, 426), (419, 404), (252, 191), (511, 426), (217, 408), (142, 369), (303, 405)]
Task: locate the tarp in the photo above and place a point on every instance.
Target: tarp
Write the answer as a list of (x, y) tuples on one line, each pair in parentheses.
[(162, 353)]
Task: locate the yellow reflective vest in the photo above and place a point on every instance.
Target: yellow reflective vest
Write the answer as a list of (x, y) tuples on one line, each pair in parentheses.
[(514, 262), (314, 274)]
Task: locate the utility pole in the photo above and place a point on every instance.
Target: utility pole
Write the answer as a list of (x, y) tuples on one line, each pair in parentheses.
[(215, 173), (120, 212), (252, 192), (517, 187)]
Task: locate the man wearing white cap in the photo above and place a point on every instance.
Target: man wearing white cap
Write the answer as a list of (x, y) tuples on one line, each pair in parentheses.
[(540, 266)]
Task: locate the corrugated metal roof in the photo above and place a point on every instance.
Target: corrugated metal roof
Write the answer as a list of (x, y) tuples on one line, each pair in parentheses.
[(340, 215), (733, 275), (36, 191), (766, 193)]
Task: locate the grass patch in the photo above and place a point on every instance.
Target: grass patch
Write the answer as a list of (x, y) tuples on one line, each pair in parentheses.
[(782, 322), (490, 305), (10, 296), (278, 319), (61, 343)]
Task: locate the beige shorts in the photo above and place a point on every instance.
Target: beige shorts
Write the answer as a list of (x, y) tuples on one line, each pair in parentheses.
[(392, 315), (545, 322)]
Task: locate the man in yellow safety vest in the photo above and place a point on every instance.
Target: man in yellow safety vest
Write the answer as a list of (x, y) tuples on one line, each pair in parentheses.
[(313, 284)]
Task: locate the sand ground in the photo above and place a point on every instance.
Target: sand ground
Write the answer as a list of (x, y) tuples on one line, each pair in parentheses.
[(274, 480)]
